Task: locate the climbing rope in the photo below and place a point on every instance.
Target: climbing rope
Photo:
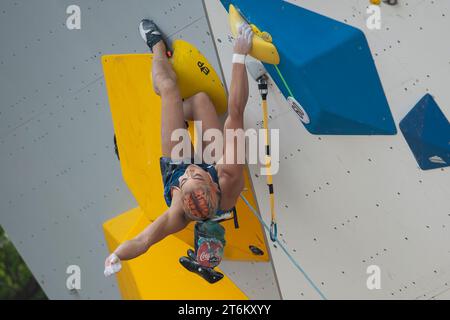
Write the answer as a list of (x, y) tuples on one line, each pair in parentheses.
[(284, 81), (294, 262)]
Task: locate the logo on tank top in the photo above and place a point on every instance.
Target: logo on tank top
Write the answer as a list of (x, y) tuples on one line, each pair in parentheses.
[(209, 253)]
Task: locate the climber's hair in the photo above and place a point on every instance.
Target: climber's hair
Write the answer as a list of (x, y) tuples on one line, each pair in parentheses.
[(203, 202)]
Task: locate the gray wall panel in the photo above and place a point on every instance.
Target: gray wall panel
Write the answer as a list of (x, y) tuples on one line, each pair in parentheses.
[(60, 179)]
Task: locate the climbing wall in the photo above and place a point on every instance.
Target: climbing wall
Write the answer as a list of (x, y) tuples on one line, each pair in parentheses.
[(345, 203), (60, 179)]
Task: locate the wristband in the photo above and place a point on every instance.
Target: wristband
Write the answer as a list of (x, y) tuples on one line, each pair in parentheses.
[(239, 58)]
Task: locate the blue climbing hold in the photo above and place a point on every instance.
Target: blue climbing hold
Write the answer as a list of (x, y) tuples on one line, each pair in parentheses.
[(427, 131), (327, 66)]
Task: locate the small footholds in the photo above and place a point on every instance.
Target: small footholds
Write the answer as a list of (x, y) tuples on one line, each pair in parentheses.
[(256, 251)]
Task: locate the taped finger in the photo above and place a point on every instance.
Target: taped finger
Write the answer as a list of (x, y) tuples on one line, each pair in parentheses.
[(248, 35), (241, 28)]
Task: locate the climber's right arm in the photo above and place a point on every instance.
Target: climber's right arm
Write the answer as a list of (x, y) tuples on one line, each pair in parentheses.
[(172, 221)]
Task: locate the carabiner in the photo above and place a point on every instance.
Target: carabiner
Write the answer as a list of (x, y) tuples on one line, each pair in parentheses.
[(273, 231)]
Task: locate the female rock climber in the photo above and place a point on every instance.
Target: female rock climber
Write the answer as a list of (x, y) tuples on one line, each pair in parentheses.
[(203, 192)]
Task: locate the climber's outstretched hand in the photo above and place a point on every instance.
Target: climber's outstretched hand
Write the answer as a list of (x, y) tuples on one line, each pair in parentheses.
[(112, 265)]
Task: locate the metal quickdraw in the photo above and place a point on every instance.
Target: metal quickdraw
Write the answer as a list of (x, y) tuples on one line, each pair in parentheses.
[(263, 90)]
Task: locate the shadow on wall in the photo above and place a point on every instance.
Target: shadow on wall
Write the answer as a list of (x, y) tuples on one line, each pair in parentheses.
[(16, 280)]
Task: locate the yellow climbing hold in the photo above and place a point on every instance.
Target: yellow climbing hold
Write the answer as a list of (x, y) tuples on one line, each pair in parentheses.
[(196, 74), (262, 49)]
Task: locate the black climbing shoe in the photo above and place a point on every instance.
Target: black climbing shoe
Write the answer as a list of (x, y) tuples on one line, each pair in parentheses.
[(191, 254), (150, 33), (206, 273)]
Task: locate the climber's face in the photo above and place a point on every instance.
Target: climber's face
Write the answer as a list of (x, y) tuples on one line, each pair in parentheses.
[(193, 178)]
